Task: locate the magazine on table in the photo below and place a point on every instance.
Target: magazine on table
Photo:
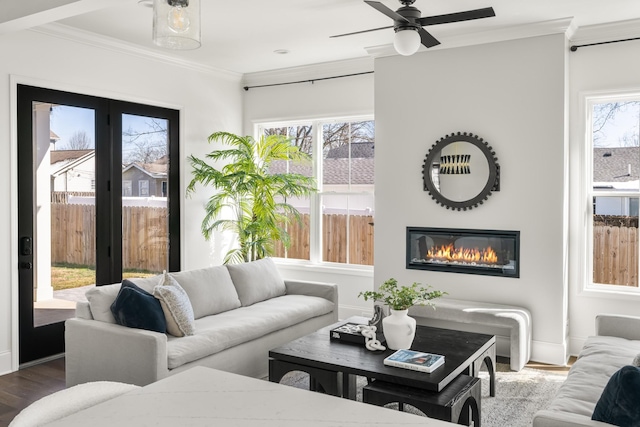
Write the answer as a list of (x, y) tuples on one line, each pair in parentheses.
[(415, 360)]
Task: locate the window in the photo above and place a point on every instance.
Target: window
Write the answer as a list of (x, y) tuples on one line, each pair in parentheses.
[(127, 188), (613, 191), (143, 188), (337, 223)]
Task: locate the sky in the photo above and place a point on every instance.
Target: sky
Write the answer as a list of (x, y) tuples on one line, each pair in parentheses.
[(65, 121), (625, 122)]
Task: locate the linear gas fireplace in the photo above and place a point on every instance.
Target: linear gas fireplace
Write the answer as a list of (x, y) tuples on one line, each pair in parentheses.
[(489, 252)]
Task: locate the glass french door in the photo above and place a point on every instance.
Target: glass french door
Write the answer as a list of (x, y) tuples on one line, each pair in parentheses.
[(97, 199)]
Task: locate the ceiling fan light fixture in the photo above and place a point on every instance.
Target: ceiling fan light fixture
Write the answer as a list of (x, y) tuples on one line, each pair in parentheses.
[(176, 24), (406, 41)]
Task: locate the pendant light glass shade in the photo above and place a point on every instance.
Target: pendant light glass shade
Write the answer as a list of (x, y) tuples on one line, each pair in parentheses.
[(176, 24), (406, 41)]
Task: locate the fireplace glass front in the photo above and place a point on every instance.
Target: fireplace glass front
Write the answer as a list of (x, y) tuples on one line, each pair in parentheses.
[(488, 252)]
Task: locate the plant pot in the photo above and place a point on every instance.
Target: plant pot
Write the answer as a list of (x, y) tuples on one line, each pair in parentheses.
[(399, 329)]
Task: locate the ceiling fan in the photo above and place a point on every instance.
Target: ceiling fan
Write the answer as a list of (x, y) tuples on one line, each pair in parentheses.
[(408, 24)]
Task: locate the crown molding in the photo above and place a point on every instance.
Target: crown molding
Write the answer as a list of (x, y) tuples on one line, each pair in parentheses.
[(309, 72), (556, 26), (607, 32), (108, 43)]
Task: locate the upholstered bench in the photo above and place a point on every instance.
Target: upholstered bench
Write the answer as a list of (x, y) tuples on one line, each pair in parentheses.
[(516, 319)]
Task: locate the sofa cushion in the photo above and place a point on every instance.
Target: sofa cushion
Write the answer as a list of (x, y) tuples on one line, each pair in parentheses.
[(257, 281), (619, 403), (228, 329), (176, 307), (598, 360), (136, 308), (210, 290), (101, 297)]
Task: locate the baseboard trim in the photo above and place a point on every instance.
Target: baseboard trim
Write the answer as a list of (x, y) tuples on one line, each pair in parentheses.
[(551, 353), (575, 345), (6, 363)]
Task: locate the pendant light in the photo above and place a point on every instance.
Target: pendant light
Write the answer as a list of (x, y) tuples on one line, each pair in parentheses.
[(176, 24)]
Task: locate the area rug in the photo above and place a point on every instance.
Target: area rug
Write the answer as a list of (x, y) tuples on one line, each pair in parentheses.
[(519, 395)]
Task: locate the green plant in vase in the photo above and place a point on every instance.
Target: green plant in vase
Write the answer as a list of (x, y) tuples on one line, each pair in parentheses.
[(399, 329)]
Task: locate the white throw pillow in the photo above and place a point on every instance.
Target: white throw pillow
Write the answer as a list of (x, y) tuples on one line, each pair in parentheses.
[(257, 281), (636, 360), (100, 299), (176, 307)]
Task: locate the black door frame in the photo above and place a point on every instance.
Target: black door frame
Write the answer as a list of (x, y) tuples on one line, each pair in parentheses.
[(47, 340)]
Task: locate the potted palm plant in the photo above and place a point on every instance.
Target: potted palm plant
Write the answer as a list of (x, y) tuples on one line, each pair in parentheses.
[(255, 197), (399, 329)]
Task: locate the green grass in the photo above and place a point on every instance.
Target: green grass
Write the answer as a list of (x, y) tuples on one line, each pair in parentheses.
[(65, 276)]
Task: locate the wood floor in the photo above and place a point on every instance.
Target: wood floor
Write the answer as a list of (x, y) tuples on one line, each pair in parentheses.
[(21, 388)]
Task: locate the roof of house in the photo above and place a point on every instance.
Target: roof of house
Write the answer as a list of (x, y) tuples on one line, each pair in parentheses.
[(616, 164), (67, 155), (156, 169), (335, 171), (52, 136), (358, 150)]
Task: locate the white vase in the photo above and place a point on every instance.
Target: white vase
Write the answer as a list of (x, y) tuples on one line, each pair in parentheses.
[(399, 329)]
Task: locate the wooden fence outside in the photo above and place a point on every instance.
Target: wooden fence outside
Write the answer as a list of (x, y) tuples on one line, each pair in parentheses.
[(334, 228), (145, 239), (144, 236), (615, 255)]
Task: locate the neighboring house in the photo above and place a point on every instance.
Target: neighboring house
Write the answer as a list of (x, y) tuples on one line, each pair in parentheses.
[(145, 179), (53, 138), (616, 169), (73, 170), (341, 175)]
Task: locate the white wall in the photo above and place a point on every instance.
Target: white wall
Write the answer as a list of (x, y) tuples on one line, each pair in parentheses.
[(322, 99), (209, 101), (512, 94), (593, 70)]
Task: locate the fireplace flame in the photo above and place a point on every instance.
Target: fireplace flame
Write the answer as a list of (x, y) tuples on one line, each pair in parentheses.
[(451, 254)]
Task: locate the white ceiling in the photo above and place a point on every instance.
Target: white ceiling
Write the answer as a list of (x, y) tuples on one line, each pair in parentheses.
[(241, 36)]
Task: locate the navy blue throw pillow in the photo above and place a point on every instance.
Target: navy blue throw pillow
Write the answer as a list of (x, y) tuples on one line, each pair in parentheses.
[(136, 308), (619, 403)]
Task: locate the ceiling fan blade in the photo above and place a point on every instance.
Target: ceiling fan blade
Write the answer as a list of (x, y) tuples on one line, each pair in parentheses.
[(360, 32), (427, 39), (468, 15), (384, 9)]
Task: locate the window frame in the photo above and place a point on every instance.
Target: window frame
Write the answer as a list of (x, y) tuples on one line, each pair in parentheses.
[(588, 196), (315, 205)]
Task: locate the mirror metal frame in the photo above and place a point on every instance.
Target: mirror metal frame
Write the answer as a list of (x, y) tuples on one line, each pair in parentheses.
[(493, 181)]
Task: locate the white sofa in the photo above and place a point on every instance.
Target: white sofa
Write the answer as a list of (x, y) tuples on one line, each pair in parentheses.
[(241, 312), (616, 344)]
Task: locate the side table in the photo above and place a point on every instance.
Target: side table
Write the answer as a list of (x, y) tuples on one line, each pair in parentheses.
[(453, 404)]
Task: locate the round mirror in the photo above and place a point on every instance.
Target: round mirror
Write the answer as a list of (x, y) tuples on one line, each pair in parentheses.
[(461, 171)]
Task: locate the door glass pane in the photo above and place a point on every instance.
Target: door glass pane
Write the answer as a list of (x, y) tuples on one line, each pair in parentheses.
[(145, 227), (64, 223)]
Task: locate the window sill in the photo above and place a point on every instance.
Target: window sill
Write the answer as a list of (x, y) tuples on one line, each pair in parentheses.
[(612, 292), (332, 268)]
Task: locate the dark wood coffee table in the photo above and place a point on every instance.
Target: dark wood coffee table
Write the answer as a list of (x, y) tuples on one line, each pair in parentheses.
[(333, 366)]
